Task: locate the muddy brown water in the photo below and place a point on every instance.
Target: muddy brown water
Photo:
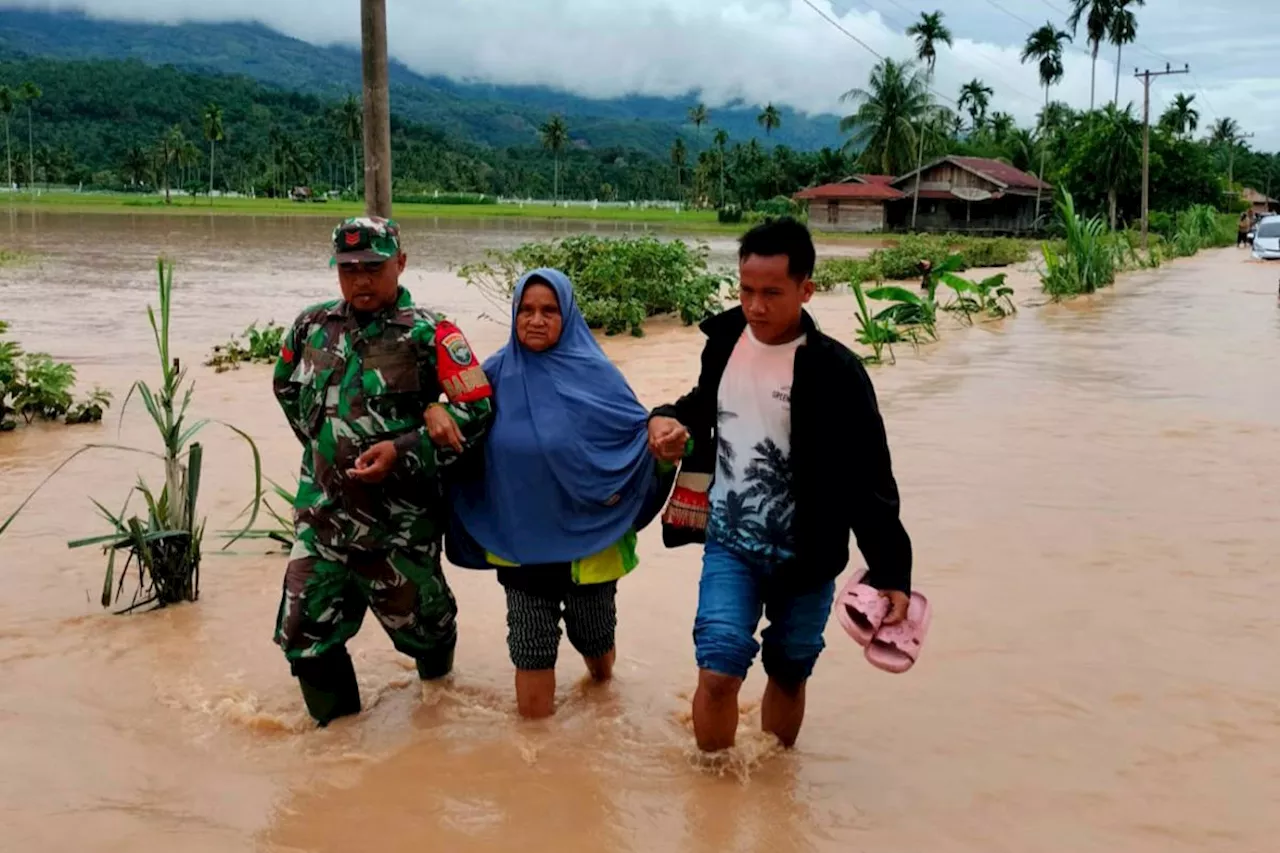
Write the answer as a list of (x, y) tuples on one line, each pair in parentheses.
[(1091, 489)]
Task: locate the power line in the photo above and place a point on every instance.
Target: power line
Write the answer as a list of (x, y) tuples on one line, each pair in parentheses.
[(833, 22), (1031, 99)]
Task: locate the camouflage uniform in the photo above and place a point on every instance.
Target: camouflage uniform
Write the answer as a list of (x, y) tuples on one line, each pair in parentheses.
[(344, 388)]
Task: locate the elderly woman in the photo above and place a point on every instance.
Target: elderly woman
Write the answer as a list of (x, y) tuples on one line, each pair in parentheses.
[(567, 481)]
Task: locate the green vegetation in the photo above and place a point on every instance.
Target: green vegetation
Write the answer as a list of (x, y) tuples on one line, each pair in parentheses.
[(876, 332), (8, 257), (902, 260), (33, 385), (163, 548), (253, 345), (619, 283), (1088, 258)]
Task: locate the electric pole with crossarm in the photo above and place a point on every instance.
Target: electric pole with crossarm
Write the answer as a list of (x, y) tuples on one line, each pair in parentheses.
[(1145, 77), (377, 108)]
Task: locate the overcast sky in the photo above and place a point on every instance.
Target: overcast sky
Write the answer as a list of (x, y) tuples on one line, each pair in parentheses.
[(780, 50)]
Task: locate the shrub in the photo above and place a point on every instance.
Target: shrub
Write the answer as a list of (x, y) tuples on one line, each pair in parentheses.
[(902, 260), (252, 345), (991, 251), (619, 283), (730, 214), (780, 206), (833, 272), (1159, 222)]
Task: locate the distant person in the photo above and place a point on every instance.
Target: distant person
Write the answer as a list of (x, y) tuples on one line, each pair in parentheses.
[(1242, 232), (789, 455), (354, 379), (563, 483)]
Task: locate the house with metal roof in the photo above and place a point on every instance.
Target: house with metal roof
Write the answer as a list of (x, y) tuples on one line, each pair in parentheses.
[(970, 194), (855, 204)]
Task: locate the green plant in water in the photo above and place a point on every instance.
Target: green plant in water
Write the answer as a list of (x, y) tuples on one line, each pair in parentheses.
[(911, 313), (90, 410), (1086, 259), (164, 546), (42, 388), (873, 331), (283, 529), (252, 345)]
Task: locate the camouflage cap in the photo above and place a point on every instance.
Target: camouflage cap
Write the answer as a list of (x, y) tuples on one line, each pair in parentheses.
[(365, 239)]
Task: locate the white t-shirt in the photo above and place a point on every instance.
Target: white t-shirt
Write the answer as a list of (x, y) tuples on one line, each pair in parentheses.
[(751, 503)]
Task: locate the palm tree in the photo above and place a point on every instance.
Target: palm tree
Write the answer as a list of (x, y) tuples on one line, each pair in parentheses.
[(212, 132), (555, 136), (928, 32), (721, 140), (1120, 151), (7, 105), (679, 155), (135, 165), (1181, 118), (1097, 15), (976, 96), (891, 110), (29, 93), (698, 116), (1225, 132), (1122, 30), (351, 128), (770, 119), (1045, 46)]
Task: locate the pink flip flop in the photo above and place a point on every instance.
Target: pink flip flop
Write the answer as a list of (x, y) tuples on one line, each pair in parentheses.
[(860, 609), (895, 648)]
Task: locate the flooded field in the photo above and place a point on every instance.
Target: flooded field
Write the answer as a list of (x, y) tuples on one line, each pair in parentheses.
[(1091, 492)]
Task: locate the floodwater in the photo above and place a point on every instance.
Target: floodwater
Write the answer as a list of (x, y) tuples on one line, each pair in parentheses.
[(1091, 492)]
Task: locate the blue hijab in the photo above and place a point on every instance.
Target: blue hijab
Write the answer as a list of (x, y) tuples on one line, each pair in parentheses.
[(567, 465)]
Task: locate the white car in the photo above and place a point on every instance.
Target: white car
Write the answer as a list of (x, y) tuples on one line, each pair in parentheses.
[(1266, 239)]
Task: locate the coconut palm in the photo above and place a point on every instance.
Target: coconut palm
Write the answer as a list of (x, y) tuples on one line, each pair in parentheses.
[(213, 132), (679, 156), (698, 116), (1119, 151), (1225, 133), (976, 97), (1097, 15), (929, 32), (891, 111), (1122, 30), (1181, 118), (1045, 47), (721, 140), (770, 119), (351, 128), (29, 93), (555, 136)]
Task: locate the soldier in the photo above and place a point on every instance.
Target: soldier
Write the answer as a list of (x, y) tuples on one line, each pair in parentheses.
[(354, 377)]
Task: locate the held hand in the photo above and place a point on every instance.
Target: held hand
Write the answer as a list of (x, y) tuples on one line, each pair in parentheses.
[(898, 602), (667, 439), (442, 428), (374, 464)]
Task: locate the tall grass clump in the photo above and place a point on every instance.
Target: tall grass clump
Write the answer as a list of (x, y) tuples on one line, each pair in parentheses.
[(1086, 259), (160, 549)]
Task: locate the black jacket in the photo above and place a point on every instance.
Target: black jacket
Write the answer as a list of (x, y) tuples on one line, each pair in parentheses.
[(842, 478)]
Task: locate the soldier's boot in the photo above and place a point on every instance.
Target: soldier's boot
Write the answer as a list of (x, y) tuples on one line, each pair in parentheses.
[(328, 685), (438, 662)]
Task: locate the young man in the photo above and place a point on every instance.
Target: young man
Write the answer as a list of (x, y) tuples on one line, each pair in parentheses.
[(789, 455), (354, 379)]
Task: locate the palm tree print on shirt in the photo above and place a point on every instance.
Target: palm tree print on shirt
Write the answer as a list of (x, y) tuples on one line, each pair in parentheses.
[(769, 479), (727, 455)]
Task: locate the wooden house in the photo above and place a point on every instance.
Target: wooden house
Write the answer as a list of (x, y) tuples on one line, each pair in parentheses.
[(970, 194), (855, 204)]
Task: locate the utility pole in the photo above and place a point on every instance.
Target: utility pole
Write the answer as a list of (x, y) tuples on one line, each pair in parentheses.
[(377, 108), (1145, 77)]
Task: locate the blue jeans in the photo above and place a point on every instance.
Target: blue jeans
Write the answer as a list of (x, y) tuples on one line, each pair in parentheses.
[(730, 603)]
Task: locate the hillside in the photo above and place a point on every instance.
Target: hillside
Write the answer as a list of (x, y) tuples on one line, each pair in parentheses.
[(487, 114)]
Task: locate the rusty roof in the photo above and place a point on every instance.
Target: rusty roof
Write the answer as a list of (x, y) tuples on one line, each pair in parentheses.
[(1001, 174), (863, 192)]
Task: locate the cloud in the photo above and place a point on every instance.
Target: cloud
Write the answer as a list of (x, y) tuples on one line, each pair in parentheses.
[(762, 50)]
